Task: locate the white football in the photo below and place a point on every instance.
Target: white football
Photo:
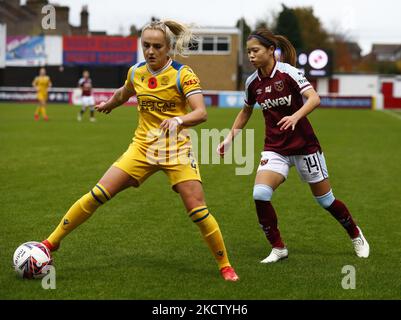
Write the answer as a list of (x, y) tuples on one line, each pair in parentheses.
[(32, 260)]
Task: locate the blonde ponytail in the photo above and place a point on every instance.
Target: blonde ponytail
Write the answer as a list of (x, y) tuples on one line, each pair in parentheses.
[(178, 35), (182, 36)]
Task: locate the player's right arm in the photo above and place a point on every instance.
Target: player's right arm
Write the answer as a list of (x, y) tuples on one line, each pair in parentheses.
[(119, 97), (239, 123), (242, 118), (34, 83)]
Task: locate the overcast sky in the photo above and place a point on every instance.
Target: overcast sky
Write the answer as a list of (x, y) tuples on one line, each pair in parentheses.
[(366, 21)]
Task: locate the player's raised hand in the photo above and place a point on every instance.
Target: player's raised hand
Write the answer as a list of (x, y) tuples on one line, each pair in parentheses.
[(103, 107), (287, 122), (169, 125), (223, 147)]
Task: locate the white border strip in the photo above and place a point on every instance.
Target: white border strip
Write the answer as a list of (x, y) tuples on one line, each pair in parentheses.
[(392, 113)]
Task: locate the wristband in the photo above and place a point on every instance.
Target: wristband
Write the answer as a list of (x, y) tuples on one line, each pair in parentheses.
[(179, 120)]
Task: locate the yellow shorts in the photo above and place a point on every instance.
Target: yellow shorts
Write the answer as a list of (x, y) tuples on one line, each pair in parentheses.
[(42, 96), (139, 165)]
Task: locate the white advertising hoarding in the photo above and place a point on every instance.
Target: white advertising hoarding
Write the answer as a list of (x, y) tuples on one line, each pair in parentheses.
[(3, 41)]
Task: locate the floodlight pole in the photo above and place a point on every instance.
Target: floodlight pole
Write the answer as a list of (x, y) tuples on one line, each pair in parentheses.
[(240, 53)]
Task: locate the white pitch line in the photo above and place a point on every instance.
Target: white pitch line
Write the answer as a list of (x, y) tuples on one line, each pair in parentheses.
[(392, 113)]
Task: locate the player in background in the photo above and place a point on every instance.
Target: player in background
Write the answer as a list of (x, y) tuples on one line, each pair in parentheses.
[(41, 83), (169, 99), (279, 88), (85, 83)]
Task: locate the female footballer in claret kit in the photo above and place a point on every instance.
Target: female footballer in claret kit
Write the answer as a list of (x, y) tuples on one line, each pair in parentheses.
[(169, 99), (286, 97), (87, 98)]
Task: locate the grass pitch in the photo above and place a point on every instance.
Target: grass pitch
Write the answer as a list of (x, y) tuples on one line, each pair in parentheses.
[(142, 245)]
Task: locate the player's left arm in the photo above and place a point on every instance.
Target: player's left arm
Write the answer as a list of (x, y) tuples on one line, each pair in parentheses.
[(196, 116), (190, 88), (312, 101), (198, 113)]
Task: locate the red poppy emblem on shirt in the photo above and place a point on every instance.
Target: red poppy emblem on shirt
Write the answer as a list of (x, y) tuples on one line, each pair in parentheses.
[(152, 83)]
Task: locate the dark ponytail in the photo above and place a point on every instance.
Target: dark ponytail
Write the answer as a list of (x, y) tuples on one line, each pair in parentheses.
[(288, 53), (267, 39)]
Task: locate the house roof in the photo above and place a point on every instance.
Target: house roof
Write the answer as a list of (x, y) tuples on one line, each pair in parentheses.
[(386, 48)]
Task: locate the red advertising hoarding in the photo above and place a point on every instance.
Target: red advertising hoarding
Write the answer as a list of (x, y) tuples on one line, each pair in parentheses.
[(99, 50)]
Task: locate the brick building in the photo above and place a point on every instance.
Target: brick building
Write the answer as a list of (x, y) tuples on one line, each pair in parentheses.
[(27, 19), (214, 57)]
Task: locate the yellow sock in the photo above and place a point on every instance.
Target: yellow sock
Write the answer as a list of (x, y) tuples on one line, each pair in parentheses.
[(79, 213), (211, 233), (43, 111), (37, 111)]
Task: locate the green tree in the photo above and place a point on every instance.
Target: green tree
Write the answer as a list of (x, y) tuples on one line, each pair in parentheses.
[(288, 25), (312, 31), (245, 28), (345, 55), (261, 24), (133, 30), (387, 67)]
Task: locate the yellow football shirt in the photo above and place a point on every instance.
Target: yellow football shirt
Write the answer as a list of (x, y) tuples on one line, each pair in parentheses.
[(42, 83), (161, 95)]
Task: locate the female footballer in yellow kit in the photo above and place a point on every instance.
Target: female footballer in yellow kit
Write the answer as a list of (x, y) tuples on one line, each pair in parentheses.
[(42, 84), (163, 88)]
